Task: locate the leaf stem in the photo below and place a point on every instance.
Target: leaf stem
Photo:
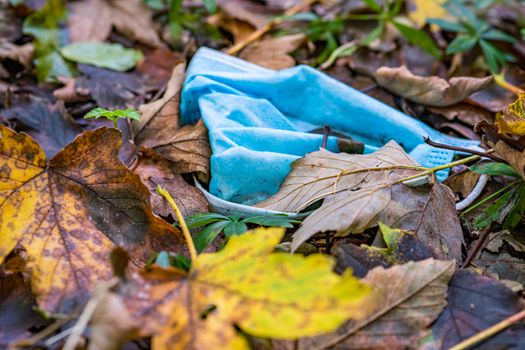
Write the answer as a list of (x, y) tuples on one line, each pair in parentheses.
[(489, 332), (115, 123), (502, 82), (182, 222)]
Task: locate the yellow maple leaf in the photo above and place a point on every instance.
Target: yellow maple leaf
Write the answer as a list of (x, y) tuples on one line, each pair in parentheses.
[(70, 212), (266, 294), (512, 119), (421, 10)]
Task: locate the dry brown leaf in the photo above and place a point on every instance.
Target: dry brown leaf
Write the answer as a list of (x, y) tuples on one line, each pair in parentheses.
[(188, 146), (244, 11), (22, 54), (514, 157), (69, 92), (156, 171), (430, 91), (239, 30), (359, 191), (408, 298), (92, 20), (273, 52)]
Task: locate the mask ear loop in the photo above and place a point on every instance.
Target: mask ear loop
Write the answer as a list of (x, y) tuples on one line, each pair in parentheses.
[(474, 194)]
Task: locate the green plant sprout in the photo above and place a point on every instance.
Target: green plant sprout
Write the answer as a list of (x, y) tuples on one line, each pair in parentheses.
[(114, 116), (474, 31)]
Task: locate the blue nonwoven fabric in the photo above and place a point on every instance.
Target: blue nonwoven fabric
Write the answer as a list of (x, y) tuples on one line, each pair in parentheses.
[(259, 120)]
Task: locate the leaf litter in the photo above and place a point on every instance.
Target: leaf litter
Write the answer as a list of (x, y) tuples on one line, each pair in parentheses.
[(95, 252)]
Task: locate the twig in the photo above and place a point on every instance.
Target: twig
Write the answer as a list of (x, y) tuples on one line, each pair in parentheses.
[(326, 132), (489, 332), (461, 149), (474, 251), (500, 80), (182, 222), (266, 28)]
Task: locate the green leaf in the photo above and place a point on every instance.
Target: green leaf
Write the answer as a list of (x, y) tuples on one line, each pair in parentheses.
[(493, 211), (110, 56), (100, 112), (210, 5), (447, 25), (518, 209), (204, 219), (180, 261), (51, 65), (271, 220), (461, 43), (494, 169), (492, 55), (495, 34), (208, 234), (419, 38), (373, 5), (235, 228)]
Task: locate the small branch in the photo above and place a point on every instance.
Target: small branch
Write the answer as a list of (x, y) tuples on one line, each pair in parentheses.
[(489, 332), (474, 251), (326, 132), (259, 33), (182, 222), (461, 149)]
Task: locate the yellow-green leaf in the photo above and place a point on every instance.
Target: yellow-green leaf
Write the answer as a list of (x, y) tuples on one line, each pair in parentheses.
[(266, 294), (421, 10), (512, 119)]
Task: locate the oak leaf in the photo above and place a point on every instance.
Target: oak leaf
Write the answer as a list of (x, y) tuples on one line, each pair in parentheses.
[(430, 91), (92, 20), (358, 191), (408, 298), (265, 294), (70, 212)]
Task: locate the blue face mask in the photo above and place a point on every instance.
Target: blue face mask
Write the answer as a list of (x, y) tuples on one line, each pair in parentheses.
[(260, 121)]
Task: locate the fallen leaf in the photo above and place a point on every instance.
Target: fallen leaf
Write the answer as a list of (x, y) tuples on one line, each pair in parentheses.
[(475, 303), (49, 124), (158, 64), (511, 121), (273, 52), (70, 212), (22, 54), (111, 89), (17, 313), (421, 10), (358, 191), (247, 285), (238, 29), (464, 112), (104, 55), (92, 20), (407, 299), (512, 156), (430, 91), (156, 171), (188, 146), (245, 11), (69, 93)]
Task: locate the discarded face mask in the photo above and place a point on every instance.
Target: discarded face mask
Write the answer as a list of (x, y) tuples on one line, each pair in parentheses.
[(260, 121)]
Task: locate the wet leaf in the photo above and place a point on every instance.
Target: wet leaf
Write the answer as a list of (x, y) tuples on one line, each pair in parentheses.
[(407, 299), (70, 212), (273, 52), (358, 191), (92, 20), (247, 285), (104, 55), (475, 303), (431, 91)]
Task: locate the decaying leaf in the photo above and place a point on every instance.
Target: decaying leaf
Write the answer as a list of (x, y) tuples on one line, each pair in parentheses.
[(475, 303), (430, 91), (358, 191), (265, 294), (511, 121), (512, 156), (408, 298), (92, 20), (188, 146), (70, 212), (273, 52)]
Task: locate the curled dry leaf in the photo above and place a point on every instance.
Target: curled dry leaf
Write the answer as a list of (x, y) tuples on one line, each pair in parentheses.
[(511, 121), (358, 191), (188, 146), (247, 285), (22, 54), (407, 299), (70, 212), (273, 52), (92, 20), (430, 91), (475, 303)]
